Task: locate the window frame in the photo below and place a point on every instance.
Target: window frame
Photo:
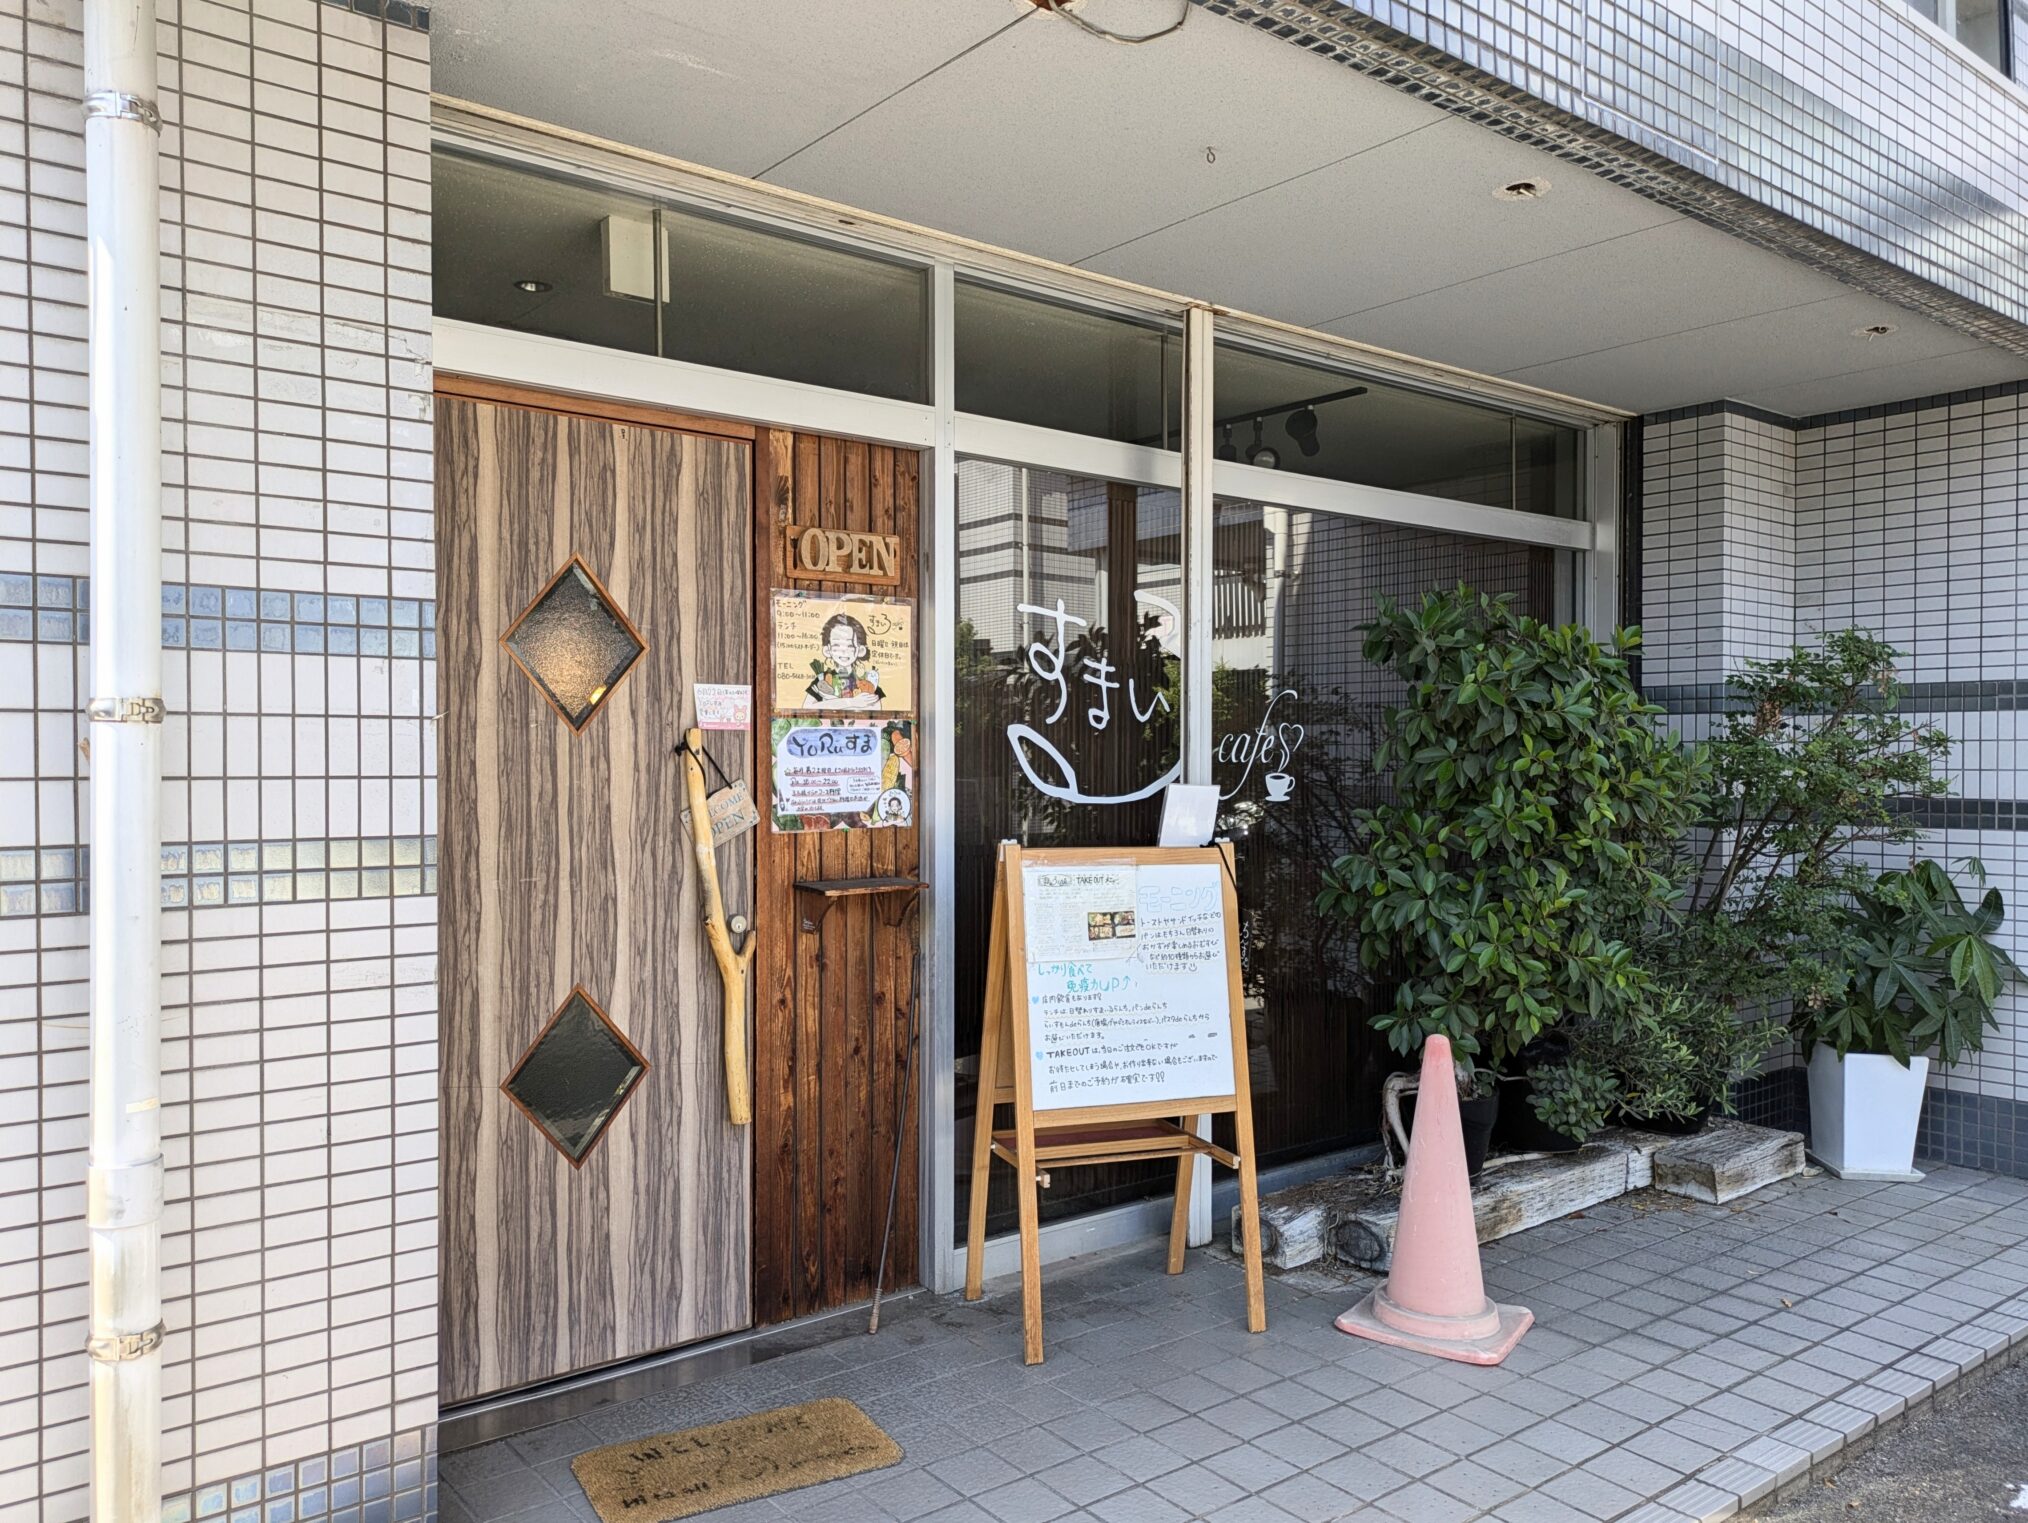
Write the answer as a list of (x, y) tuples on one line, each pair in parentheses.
[(1589, 544)]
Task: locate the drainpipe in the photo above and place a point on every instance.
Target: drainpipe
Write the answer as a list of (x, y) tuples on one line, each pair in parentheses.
[(123, 1211)]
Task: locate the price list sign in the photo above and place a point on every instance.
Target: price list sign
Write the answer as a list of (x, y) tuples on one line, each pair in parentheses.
[(1127, 989)]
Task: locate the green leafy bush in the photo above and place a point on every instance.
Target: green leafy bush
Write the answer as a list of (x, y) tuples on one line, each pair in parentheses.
[(1536, 812), (1812, 762), (1921, 969)]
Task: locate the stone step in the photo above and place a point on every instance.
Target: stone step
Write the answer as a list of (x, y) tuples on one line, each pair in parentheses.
[(1352, 1217)]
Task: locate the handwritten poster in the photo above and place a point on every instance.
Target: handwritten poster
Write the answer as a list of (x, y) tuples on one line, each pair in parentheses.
[(853, 774), (1146, 1018), (723, 705), (839, 652)]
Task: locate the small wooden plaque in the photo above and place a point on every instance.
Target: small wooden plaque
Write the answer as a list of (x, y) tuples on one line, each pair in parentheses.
[(842, 555)]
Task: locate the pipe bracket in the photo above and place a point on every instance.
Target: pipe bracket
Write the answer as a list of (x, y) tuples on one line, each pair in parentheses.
[(126, 711), (120, 105), (116, 1348)]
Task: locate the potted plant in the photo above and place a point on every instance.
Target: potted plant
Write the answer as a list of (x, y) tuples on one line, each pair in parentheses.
[(1921, 974), (1534, 806)]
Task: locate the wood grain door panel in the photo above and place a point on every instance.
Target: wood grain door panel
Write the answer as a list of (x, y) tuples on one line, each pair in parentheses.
[(563, 861)]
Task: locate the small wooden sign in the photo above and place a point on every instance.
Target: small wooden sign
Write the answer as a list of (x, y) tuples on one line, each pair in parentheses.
[(843, 555)]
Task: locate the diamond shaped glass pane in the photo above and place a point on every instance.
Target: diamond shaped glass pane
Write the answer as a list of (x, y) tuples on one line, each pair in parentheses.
[(574, 643), (575, 1076)]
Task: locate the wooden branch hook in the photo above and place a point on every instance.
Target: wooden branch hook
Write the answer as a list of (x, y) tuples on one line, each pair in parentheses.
[(732, 958)]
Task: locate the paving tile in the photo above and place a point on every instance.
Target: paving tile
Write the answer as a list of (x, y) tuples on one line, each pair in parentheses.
[(1424, 1503), (1475, 1483), (1024, 1501)]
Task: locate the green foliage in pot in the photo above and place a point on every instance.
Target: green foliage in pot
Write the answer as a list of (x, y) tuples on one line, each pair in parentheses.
[(1812, 761), (1535, 809), (1671, 1055), (1920, 968)]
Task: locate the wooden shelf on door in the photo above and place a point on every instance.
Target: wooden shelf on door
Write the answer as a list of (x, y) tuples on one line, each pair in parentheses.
[(830, 891)]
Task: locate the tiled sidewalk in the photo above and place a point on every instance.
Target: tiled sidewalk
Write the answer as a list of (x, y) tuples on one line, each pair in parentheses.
[(1686, 1360)]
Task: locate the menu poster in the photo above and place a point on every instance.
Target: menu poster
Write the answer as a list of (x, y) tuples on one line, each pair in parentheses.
[(843, 652), (852, 774), (1123, 1019)]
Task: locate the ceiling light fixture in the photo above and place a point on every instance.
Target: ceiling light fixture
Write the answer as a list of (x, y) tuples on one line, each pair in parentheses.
[(1260, 452), (1302, 427), (1874, 330), (533, 287), (1226, 450), (1523, 190)]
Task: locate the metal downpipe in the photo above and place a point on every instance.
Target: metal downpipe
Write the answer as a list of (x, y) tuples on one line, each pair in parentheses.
[(124, 1184)]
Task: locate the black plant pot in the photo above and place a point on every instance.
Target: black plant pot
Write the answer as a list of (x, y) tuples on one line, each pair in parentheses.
[(1523, 1131), (1669, 1126), (1477, 1117)]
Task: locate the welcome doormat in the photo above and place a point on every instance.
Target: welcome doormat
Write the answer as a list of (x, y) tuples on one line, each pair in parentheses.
[(677, 1475)]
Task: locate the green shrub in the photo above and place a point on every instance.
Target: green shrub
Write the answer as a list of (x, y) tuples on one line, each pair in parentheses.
[(1536, 813)]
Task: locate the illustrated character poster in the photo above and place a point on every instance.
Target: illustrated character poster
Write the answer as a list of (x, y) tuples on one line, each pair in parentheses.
[(850, 774), (843, 653)]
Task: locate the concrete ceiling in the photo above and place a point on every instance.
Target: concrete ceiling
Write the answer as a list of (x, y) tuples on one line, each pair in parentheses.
[(1218, 163)]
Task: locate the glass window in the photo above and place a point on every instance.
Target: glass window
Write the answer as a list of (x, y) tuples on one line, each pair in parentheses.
[(1980, 25), (1066, 727), (512, 249), (743, 299), (1294, 416), (1296, 711), (1061, 367), (516, 249)]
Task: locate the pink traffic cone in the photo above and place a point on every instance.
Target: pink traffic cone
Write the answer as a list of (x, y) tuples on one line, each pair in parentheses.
[(1434, 1300)]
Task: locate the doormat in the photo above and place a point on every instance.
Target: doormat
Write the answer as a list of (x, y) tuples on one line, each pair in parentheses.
[(677, 1475)]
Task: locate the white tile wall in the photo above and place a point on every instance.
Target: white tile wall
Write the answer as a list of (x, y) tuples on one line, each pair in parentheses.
[(300, 1060), (1719, 545), (1908, 524)]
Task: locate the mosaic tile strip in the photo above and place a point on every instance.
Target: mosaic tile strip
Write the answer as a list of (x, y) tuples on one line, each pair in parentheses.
[(1651, 101), (49, 880), (386, 1481), (1999, 695), (53, 880), (1987, 1132), (1847, 415), (393, 12), (200, 617)]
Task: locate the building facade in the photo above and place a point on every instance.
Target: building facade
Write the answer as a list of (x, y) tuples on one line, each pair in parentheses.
[(1713, 318)]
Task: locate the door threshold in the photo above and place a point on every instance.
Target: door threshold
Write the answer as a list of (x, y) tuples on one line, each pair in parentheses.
[(494, 1417)]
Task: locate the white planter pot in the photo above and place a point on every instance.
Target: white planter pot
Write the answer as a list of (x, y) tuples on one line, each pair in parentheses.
[(1863, 1112)]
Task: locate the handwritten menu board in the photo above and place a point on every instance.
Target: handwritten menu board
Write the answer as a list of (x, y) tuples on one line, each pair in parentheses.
[(1128, 999)]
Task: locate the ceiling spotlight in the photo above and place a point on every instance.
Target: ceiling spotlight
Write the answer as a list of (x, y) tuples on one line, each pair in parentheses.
[(1873, 330), (1260, 452), (1302, 427), (1226, 450), (1523, 190), (533, 287)]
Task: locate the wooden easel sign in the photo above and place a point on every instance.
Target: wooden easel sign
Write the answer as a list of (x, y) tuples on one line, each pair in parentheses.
[(1114, 1023)]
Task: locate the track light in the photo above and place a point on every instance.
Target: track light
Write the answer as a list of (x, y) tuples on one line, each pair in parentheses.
[(1302, 427), (1226, 449), (1260, 452)]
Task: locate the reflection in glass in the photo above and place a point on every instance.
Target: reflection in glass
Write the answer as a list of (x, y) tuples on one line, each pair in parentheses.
[(1296, 710), (742, 298), (1067, 656), (1293, 416), (514, 249), (1038, 362), (574, 644), (575, 1076)]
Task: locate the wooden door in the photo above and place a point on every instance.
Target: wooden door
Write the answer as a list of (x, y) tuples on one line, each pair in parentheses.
[(568, 889), (833, 1096)]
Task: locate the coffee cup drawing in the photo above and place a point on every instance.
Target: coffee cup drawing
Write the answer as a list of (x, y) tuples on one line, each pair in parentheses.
[(1278, 786)]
